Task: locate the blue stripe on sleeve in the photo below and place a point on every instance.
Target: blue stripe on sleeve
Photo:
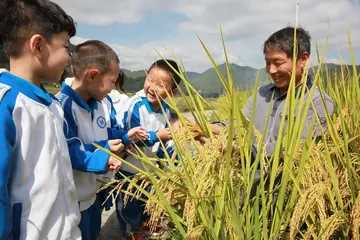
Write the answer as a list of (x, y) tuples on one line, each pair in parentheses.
[(133, 119), (7, 141), (113, 120), (81, 158), (115, 132)]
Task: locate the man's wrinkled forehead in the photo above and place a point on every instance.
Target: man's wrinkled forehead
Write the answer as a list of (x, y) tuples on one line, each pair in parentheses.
[(275, 55)]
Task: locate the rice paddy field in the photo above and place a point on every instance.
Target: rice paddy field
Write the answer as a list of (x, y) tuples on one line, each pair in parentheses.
[(308, 189)]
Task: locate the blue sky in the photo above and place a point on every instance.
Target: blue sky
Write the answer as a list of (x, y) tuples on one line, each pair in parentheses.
[(135, 28), (153, 26)]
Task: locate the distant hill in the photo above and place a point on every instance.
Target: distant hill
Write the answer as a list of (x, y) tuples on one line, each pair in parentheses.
[(243, 77), (134, 80), (192, 75), (134, 74)]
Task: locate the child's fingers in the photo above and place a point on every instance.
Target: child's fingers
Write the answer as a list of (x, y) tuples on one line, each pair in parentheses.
[(140, 129), (117, 148), (144, 136), (114, 164), (114, 142), (114, 168)]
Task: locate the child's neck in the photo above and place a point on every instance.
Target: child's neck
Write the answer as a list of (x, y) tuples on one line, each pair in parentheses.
[(80, 89), (22, 69), (155, 106)]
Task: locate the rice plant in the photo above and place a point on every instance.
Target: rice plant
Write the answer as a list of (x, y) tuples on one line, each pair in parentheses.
[(308, 189)]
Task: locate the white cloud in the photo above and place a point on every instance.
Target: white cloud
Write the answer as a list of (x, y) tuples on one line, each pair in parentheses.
[(110, 11), (77, 40), (245, 24)]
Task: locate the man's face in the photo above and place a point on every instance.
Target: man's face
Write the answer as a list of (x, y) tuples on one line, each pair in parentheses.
[(280, 67)]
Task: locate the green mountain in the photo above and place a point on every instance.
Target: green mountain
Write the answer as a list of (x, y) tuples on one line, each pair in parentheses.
[(134, 74), (243, 77), (134, 80), (192, 75)]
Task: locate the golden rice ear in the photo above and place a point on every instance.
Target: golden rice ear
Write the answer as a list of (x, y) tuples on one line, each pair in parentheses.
[(355, 218)]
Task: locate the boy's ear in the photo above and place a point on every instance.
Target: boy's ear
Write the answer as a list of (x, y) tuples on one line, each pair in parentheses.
[(174, 91), (36, 45), (92, 73)]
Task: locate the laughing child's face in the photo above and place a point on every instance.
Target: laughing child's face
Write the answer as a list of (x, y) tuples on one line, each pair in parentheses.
[(158, 82)]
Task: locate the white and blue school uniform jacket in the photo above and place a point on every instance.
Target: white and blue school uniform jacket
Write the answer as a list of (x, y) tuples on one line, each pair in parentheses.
[(140, 113), (110, 115), (118, 103), (37, 192), (85, 124)]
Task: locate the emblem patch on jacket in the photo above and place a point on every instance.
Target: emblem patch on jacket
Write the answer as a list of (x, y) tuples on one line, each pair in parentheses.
[(101, 122)]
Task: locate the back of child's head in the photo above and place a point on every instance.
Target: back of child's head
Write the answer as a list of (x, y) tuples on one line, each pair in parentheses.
[(119, 84), (283, 41), (169, 66), (21, 19), (66, 74), (92, 53)]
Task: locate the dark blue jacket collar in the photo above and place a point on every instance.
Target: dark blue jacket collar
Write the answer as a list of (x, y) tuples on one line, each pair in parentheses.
[(150, 108), (90, 106), (39, 92)]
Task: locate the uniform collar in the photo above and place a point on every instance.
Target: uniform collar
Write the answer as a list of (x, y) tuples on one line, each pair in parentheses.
[(39, 92), (150, 108), (90, 106)]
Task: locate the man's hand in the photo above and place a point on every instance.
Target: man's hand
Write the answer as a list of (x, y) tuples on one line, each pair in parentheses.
[(137, 133), (116, 146), (164, 134)]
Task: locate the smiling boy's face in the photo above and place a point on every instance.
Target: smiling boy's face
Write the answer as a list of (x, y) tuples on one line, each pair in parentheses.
[(104, 83), (54, 56)]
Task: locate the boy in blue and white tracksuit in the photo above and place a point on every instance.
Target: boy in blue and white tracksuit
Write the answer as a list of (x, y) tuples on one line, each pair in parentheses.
[(140, 113), (85, 124), (108, 112), (96, 67), (38, 198), (145, 109), (35, 165)]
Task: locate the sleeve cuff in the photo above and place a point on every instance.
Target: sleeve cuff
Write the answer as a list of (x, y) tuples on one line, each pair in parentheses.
[(153, 137), (103, 158), (125, 140)]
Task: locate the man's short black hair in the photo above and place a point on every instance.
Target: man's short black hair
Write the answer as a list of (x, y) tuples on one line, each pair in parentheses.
[(92, 53), (21, 19), (165, 66), (283, 40)]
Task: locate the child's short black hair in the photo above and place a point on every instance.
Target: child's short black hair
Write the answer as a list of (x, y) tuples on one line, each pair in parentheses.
[(66, 74), (92, 53), (283, 40), (119, 84), (21, 19), (165, 66)]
